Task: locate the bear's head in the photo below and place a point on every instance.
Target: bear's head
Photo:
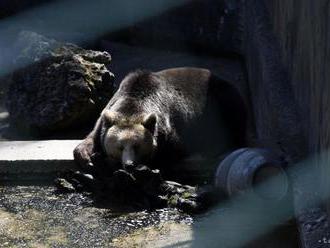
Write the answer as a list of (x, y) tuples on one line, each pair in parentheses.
[(129, 140)]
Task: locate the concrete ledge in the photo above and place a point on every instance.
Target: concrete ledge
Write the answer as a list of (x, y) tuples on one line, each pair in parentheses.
[(36, 157)]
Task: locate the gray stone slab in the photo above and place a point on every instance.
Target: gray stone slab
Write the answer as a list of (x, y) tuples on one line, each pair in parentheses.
[(48, 156)]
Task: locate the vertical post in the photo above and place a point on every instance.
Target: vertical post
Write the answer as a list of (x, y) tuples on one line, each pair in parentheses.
[(277, 120)]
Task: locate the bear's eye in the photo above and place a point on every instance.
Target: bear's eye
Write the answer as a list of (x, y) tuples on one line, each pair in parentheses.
[(136, 148)]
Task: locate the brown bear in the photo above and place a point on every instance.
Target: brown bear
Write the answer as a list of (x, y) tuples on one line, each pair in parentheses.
[(157, 118)]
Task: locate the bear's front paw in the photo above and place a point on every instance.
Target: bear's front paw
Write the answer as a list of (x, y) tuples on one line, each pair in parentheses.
[(83, 157)]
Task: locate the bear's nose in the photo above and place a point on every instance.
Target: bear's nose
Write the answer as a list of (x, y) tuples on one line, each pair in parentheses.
[(128, 165)]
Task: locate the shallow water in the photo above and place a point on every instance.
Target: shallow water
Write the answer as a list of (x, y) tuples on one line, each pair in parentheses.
[(34, 216)]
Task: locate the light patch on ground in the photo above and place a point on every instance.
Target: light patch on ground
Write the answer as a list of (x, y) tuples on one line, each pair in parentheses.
[(169, 234), (29, 227)]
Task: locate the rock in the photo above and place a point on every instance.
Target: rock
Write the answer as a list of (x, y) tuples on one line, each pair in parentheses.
[(57, 85), (140, 188), (64, 186)]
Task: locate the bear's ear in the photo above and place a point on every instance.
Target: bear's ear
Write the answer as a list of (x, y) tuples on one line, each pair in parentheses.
[(149, 122), (108, 118)]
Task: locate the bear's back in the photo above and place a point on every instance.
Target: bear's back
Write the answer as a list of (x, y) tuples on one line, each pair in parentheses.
[(188, 88), (179, 92)]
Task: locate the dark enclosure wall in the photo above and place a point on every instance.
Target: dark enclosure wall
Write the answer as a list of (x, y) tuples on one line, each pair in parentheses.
[(303, 28)]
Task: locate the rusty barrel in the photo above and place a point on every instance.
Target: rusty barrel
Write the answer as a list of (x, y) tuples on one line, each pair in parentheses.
[(255, 170)]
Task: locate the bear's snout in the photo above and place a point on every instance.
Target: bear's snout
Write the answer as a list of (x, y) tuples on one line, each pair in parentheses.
[(128, 158), (129, 165)]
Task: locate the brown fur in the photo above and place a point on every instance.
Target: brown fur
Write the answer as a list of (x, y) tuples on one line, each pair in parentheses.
[(192, 112)]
